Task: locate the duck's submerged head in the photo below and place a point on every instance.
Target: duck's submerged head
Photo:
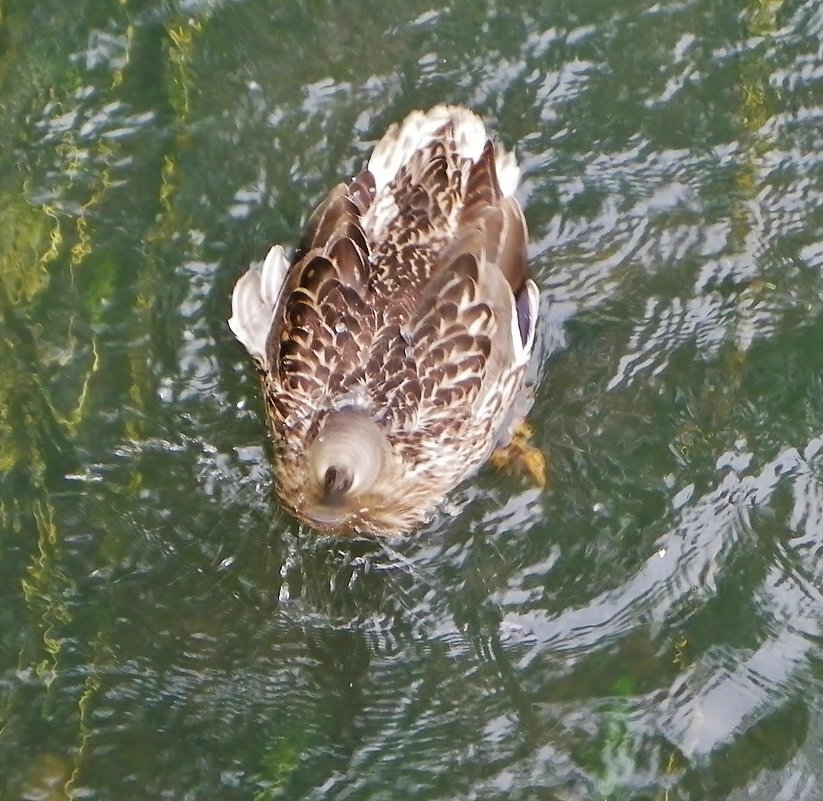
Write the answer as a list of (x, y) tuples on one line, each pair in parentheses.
[(345, 466), (349, 480), (355, 477)]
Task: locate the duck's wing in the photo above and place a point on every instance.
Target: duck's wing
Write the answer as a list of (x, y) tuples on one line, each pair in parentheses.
[(304, 322), (473, 323), (339, 216), (496, 219), (493, 229), (326, 321)]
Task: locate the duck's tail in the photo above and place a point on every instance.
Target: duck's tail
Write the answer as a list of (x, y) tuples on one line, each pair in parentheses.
[(418, 129)]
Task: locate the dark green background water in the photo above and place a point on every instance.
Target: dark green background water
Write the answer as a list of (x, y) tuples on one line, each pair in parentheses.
[(649, 627)]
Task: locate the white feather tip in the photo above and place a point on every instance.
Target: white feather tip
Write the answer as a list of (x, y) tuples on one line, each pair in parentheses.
[(400, 142), (254, 302), (525, 307)]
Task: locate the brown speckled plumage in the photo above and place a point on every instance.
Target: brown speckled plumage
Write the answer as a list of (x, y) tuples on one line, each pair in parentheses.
[(400, 333)]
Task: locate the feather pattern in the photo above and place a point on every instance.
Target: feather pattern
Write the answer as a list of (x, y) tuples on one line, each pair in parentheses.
[(393, 348)]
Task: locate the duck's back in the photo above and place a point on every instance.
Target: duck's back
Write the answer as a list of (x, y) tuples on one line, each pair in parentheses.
[(392, 300)]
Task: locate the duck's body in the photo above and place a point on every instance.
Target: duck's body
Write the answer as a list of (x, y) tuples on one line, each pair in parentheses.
[(393, 348)]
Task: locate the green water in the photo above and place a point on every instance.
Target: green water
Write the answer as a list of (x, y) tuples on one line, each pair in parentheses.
[(646, 628)]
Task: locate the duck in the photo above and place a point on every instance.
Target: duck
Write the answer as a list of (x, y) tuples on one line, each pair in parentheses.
[(392, 345)]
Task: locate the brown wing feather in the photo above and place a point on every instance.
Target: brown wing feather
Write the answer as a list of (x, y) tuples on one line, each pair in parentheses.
[(449, 340), (361, 190), (499, 219), (339, 216), (482, 189), (325, 219), (511, 252)]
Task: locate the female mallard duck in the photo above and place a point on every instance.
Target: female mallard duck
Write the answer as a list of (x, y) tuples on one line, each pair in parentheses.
[(392, 349)]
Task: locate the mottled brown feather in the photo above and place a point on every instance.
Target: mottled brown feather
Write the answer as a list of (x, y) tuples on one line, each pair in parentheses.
[(361, 190)]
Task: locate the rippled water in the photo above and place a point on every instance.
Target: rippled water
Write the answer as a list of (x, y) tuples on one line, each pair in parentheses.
[(646, 628)]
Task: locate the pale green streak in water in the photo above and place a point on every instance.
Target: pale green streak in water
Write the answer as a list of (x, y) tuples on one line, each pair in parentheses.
[(647, 628)]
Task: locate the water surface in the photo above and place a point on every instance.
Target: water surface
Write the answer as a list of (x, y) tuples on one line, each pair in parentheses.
[(648, 627)]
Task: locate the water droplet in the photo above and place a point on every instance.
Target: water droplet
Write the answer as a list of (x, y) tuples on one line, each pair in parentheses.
[(340, 328)]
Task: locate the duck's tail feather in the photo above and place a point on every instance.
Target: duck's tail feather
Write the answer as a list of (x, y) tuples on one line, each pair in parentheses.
[(418, 129)]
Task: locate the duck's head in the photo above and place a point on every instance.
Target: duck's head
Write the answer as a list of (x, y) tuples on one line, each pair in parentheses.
[(349, 478), (345, 461)]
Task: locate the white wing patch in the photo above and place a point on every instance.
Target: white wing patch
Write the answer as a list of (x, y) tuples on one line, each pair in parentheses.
[(508, 173), (254, 302), (523, 348)]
